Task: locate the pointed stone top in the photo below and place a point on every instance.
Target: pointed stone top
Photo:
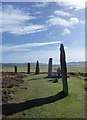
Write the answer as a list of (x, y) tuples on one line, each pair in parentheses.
[(50, 58), (61, 47)]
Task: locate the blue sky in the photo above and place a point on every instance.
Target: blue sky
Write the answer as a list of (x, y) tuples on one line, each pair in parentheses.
[(34, 30)]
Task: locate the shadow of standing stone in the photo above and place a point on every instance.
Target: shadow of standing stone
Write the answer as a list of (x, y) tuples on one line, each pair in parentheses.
[(63, 69)]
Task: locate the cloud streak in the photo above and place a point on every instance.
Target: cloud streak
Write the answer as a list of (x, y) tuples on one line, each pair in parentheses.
[(66, 31), (17, 22), (24, 29), (26, 47)]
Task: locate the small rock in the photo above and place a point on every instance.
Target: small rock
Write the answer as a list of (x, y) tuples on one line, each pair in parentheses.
[(55, 81)]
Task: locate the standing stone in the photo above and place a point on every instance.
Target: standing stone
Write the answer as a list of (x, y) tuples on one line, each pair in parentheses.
[(58, 72), (15, 69), (28, 71), (37, 68), (63, 69), (50, 68)]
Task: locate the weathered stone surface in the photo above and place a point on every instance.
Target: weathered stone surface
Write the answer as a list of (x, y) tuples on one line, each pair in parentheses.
[(37, 68), (58, 72), (50, 68), (63, 69), (28, 70), (15, 68)]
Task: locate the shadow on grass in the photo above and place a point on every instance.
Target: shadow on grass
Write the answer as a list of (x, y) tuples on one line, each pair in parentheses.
[(11, 108), (35, 79)]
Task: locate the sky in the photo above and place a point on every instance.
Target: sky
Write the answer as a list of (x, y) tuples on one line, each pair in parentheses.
[(33, 31)]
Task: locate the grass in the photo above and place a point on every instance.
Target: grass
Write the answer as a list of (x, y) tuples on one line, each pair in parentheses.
[(37, 87)]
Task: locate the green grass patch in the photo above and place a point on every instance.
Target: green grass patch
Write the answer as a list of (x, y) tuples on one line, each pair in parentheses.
[(39, 88)]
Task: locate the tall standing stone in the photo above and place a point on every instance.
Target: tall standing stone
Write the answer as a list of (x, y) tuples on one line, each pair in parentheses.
[(15, 68), (63, 69), (37, 68), (28, 69), (50, 68)]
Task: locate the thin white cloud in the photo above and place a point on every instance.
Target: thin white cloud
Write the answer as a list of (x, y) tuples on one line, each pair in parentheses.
[(24, 29), (41, 4), (37, 13), (13, 15), (26, 47), (22, 22), (16, 21), (82, 21), (66, 31), (54, 21), (61, 13), (74, 21), (76, 4), (71, 4)]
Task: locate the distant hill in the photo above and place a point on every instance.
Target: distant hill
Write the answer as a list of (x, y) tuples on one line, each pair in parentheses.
[(11, 65), (76, 64), (69, 65)]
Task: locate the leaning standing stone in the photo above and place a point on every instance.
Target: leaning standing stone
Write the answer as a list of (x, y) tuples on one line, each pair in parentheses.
[(63, 69)]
